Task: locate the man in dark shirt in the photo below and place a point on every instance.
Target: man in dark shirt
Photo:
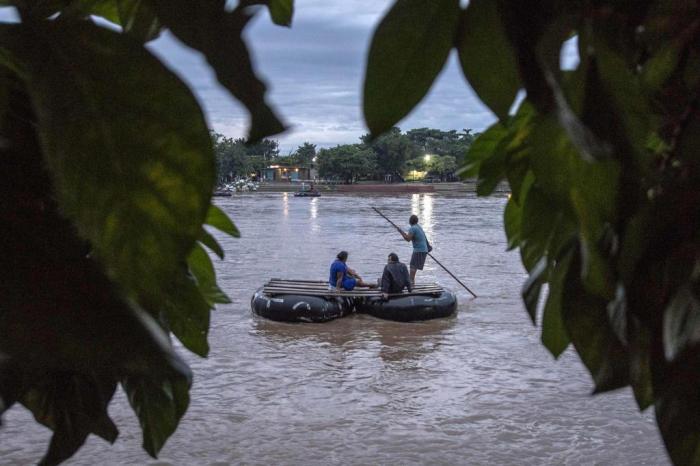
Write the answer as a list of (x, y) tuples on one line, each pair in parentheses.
[(395, 277)]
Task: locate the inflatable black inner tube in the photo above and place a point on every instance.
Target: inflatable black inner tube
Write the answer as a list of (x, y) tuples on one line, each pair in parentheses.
[(299, 308), (411, 308)]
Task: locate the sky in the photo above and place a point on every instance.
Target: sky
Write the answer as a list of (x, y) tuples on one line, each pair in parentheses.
[(314, 71)]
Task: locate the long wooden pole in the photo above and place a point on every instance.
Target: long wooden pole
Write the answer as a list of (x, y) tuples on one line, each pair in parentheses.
[(431, 256)]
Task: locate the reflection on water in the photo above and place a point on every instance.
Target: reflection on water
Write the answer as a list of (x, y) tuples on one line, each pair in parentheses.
[(477, 388), (426, 216), (422, 206), (393, 342)]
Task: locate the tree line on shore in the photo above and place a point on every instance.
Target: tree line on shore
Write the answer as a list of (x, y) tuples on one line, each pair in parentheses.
[(395, 156)]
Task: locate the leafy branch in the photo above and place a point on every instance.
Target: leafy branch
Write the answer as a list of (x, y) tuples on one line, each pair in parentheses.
[(603, 166), (106, 175)]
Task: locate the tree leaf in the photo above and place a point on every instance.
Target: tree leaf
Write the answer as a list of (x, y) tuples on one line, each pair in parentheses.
[(208, 240), (281, 11), (485, 52), (203, 270), (676, 405), (681, 323), (512, 218), (492, 171), (409, 48), (202, 25), (533, 286), (159, 404), (586, 322), (538, 227), (137, 182), (219, 220), (187, 313), (138, 19), (54, 294), (73, 406), (554, 336), (483, 147), (638, 336)]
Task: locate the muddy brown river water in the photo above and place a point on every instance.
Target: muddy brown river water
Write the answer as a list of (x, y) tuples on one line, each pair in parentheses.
[(476, 389)]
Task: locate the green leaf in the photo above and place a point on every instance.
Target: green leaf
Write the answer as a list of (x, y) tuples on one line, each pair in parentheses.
[(203, 270), (208, 28), (597, 272), (138, 19), (77, 320), (616, 98), (409, 48), (678, 424), (533, 286), (137, 181), (660, 66), (492, 172), (483, 147), (586, 322), (73, 406), (187, 313), (638, 336), (208, 240), (512, 218), (281, 11), (538, 226), (159, 404), (681, 323), (485, 53), (554, 336), (509, 157), (219, 220)]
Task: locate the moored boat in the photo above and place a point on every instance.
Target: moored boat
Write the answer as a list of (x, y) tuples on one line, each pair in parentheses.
[(307, 194), (410, 307), (307, 191)]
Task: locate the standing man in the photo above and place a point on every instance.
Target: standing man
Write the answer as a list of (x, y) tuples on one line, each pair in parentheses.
[(395, 277), (416, 235)]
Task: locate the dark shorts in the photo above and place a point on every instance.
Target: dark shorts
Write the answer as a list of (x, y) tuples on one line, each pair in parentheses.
[(418, 260), (349, 283)]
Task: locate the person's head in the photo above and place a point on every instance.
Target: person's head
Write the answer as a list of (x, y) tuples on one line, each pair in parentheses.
[(342, 256), (393, 257), (413, 219)]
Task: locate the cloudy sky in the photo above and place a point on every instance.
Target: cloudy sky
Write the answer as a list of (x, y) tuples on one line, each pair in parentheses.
[(314, 72)]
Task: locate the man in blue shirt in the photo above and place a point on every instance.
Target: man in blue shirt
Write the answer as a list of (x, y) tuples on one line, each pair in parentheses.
[(417, 236), (343, 277)]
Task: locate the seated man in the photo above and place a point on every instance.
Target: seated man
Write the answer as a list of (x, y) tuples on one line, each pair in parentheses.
[(344, 278), (395, 277)]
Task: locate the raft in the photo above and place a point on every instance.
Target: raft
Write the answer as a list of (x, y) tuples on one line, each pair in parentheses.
[(312, 301), (295, 307), (410, 307)]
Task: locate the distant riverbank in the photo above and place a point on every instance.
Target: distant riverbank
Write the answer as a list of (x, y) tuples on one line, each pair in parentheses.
[(373, 187)]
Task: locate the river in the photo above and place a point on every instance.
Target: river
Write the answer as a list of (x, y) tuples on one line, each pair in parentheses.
[(475, 389)]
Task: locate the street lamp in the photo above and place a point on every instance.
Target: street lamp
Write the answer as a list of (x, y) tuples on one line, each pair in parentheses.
[(427, 158)]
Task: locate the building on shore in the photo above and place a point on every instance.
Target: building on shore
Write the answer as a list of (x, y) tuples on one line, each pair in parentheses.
[(288, 173)]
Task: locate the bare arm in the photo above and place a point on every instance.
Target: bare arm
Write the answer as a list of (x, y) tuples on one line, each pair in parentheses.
[(338, 280)]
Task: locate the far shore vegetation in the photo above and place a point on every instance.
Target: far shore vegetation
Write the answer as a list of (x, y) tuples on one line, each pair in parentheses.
[(417, 154)]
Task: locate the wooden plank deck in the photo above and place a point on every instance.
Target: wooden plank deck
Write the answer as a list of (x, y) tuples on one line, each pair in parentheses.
[(278, 286)]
